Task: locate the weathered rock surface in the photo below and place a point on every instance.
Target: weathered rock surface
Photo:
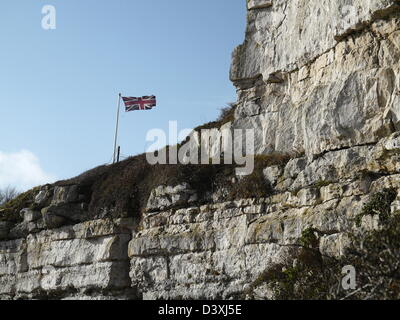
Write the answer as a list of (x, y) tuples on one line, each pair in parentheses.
[(83, 260), (218, 250), (320, 75), (164, 197), (316, 78)]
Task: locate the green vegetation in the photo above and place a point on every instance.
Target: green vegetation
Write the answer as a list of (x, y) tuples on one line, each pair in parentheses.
[(307, 274), (300, 276), (379, 204), (9, 211), (309, 239)]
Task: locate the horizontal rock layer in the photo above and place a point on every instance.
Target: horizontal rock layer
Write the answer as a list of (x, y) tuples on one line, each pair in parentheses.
[(219, 250), (215, 250), (87, 260)]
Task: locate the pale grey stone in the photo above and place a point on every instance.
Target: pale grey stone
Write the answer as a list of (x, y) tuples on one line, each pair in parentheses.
[(258, 4), (30, 215), (272, 174)]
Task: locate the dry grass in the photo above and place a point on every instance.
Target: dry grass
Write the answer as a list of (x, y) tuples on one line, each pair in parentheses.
[(227, 114), (126, 186)]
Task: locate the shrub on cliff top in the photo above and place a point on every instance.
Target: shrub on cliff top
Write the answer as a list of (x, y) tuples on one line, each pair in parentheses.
[(9, 211), (227, 114), (126, 186)]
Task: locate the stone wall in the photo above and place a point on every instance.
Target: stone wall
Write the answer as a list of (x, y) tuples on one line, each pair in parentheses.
[(86, 260), (215, 250), (308, 83)]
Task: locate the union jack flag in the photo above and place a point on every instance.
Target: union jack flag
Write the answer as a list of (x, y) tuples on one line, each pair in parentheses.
[(139, 103)]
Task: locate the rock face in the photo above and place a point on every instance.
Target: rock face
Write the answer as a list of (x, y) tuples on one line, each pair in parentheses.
[(316, 78), (218, 250), (319, 76)]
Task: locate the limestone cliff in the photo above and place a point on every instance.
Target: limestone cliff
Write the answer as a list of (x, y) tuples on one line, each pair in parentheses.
[(317, 76), (317, 79)]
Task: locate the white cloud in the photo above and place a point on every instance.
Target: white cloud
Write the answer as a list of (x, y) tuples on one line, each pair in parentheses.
[(22, 170)]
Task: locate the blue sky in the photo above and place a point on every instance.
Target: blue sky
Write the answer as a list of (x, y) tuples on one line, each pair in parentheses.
[(59, 87)]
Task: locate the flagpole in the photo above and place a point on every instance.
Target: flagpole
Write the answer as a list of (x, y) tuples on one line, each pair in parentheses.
[(116, 128)]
